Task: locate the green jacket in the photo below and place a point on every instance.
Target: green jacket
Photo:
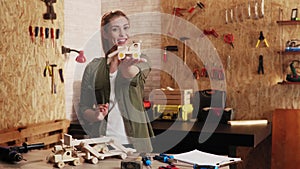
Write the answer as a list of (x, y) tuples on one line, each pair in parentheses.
[(129, 95)]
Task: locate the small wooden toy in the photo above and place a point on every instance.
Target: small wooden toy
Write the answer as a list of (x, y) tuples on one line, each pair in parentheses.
[(134, 51), (74, 151)]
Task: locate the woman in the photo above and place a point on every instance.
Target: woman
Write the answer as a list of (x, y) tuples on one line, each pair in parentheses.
[(111, 101)]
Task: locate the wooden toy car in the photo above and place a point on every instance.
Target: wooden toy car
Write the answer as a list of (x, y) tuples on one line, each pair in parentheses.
[(74, 151), (134, 50), (62, 155)]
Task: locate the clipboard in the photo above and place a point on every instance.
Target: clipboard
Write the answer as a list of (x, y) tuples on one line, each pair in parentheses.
[(200, 158)]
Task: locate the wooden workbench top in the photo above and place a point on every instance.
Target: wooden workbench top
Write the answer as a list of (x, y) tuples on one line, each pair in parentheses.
[(37, 159)]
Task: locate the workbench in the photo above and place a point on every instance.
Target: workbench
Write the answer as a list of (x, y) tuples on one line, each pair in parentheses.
[(37, 159), (183, 136), (224, 135)]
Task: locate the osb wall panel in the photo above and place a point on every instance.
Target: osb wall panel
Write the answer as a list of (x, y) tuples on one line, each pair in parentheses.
[(25, 94), (252, 95)]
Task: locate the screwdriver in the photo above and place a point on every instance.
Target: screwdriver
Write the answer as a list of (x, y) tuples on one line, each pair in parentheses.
[(31, 34), (52, 36), (42, 35), (36, 32), (164, 159), (46, 36), (147, 161), (57, 31)]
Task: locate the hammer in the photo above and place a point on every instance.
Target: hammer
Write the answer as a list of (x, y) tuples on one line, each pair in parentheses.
[(53, 85), (184, 39), (50, 14)]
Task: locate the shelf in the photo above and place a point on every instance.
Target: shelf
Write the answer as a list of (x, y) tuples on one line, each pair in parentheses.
[(288, 22), (288, 52), (288, 83)]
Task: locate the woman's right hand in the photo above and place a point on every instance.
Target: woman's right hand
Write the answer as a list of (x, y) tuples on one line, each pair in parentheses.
[(102, 111)]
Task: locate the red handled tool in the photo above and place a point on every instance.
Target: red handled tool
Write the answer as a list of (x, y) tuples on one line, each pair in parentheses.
[(199, 4), (177, 11), (196, 73), (204, 72), (165, 55), (211, 32), (52, 36), (228, 38), (31, 33), (42, 35)]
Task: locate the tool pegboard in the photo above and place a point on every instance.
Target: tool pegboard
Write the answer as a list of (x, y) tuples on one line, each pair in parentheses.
[(233, 28), (28, 41)]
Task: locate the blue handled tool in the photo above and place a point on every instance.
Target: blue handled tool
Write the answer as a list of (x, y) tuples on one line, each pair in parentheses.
[(146, 160)]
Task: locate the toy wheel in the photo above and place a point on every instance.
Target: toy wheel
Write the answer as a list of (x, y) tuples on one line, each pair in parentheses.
[(76, 162), (60, 164), (121, 56), (123, 156), (94, 160), (135, 55)]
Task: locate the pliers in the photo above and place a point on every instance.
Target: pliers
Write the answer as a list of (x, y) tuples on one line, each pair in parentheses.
[(47, 68), (262, 38)]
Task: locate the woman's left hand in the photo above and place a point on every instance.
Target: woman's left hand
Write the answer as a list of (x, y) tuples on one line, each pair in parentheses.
[(128, 68)]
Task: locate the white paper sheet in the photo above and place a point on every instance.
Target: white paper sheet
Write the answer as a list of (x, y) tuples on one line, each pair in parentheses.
[(203, 158)]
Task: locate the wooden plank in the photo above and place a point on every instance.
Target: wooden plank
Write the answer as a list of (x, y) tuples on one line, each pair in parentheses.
[(55, 138), (9, 136), (40, 129), (34, 131)]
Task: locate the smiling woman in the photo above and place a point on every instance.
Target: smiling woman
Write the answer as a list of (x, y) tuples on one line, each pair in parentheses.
[(111, 100), (114, 30)]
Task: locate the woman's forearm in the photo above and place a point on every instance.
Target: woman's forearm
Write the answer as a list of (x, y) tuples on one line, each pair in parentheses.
[(92, 115), (130, 72)]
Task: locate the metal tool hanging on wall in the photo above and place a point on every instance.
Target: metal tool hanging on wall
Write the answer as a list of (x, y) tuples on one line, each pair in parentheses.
[(169, 48), (184, 39), (228, 38), (50, 14), (261, 65), (262, 38), (49, 68)]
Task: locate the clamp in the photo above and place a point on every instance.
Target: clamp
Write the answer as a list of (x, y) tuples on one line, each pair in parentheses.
[(262, 38), (228, 38), (176, 11)]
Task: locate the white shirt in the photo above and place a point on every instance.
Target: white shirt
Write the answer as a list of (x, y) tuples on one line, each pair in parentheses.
[(115, 123)]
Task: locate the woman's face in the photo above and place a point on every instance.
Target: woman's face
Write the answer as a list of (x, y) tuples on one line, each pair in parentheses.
[(118, 30)]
